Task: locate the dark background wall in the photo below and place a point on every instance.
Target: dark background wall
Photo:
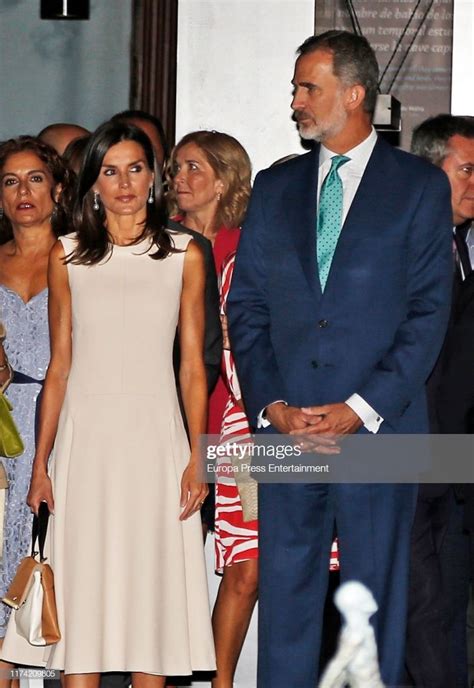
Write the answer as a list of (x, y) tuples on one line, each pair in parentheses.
[(73, 71), (422, 81)]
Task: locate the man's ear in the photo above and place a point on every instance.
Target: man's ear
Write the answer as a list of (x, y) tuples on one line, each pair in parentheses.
[(355, 96)]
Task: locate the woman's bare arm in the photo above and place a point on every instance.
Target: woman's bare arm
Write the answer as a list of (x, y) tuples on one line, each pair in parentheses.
[(192, 375), (56, 377)]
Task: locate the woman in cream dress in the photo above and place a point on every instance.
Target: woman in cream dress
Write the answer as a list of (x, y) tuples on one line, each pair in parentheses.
[(125, 540)]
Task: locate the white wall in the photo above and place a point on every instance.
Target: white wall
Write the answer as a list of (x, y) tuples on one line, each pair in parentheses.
[(53, 71), (462, 95), (235, 65)]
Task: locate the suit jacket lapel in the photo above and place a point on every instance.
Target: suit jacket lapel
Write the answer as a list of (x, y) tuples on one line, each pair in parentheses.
[(365, 206), (300, 202)]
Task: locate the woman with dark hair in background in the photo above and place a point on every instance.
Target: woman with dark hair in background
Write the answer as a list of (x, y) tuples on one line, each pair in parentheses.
[(34, 195), (125, 487)]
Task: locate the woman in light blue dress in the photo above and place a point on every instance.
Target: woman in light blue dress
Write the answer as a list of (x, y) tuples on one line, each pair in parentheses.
[(35, 191)]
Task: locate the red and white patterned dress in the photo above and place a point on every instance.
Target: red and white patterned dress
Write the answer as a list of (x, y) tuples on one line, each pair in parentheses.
[(235, 539)]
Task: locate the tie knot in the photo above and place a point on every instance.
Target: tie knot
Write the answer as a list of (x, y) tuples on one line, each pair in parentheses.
[(337, 161)]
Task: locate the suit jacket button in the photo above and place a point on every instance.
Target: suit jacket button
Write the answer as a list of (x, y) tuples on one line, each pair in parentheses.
[(314, 364), (323, 323)]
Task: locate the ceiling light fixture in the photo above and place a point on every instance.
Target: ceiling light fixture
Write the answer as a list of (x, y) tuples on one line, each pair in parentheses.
[(64, 9)]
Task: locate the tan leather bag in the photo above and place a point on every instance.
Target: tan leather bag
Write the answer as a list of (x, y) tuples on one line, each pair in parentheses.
[(31, 593)]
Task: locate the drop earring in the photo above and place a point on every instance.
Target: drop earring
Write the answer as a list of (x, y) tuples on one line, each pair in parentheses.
[(219, 196), (96, 205), (151, 196)]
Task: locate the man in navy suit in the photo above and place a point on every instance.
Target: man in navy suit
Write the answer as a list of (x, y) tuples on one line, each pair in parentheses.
[(440, 569), (337, 312)]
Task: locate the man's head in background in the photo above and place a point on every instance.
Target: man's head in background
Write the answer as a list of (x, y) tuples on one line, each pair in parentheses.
[(60, 135), (448, 142), (152, 127)]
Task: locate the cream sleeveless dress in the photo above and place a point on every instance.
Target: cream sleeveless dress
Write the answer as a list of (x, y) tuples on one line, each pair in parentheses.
[(130, 577)]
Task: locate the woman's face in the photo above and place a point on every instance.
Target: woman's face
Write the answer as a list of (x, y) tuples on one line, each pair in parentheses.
[(195, 183), (124, 179), (26, 188)]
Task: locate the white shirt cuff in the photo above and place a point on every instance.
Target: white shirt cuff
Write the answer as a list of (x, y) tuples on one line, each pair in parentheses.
[(264, 422), (369, 416)]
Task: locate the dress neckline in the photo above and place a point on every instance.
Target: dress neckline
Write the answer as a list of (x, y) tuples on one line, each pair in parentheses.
[(15, 293), (140, 245)]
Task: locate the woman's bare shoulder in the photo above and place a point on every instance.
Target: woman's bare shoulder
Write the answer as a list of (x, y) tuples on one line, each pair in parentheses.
[(194, 252)]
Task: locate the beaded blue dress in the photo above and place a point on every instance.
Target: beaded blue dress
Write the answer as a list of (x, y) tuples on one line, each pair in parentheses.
[(27, 348)]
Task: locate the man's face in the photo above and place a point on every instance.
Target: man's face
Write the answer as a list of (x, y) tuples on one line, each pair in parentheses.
[(318, 97), (458, 165)]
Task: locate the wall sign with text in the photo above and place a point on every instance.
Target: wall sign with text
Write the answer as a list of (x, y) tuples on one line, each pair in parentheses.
[(419, 31)]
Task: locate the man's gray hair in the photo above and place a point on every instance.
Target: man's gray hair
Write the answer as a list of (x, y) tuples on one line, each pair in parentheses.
[(354, 60), (430, 138)]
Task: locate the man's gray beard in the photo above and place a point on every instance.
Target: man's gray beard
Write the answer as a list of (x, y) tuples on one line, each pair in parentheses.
[(310, 133), (318, 134)]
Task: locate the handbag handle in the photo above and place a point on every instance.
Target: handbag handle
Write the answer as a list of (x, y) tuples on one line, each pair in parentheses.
[(39, 530)]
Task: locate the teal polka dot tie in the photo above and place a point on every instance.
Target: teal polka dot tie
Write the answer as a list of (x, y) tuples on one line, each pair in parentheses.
[(329, 217)]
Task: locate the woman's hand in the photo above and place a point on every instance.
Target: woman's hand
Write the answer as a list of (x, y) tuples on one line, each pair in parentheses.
[(193, 490), (41, 490)]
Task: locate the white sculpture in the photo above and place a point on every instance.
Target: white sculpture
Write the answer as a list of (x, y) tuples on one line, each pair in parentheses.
[(355, 663)]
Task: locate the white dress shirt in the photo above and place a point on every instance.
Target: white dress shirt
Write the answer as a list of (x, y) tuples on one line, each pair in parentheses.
[(470, 245), (470, 249), (350, 173)]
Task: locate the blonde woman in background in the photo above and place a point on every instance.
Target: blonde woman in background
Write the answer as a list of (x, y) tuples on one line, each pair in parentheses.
[(209, 175)]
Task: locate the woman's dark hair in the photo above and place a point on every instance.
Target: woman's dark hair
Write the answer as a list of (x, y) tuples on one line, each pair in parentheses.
[(128, 115), (93, 240), (61, 215), (74, 153)]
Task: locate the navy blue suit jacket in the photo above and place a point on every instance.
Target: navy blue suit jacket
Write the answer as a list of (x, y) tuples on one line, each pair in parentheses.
[(378, 327)]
